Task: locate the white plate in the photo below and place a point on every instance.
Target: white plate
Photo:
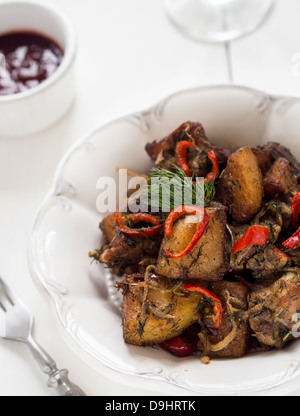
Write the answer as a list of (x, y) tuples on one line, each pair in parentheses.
[(66, 229)]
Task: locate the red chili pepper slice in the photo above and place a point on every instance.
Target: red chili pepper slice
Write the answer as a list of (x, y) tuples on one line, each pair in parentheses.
[(296, 209), (212, 176), (175, 215), (181, 150), (255, 236), (183, 345), (218, 308), (136, 218), (294, 241)]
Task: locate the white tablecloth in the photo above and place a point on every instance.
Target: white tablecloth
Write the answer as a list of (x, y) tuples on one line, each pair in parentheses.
[(129, 58)]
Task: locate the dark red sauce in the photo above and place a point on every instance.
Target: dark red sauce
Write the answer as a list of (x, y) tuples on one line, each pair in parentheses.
[(30, 59)]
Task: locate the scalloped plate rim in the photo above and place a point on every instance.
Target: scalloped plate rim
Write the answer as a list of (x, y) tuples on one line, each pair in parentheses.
[(52, 298)]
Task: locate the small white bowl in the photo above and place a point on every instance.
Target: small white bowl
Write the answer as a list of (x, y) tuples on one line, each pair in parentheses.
[(36, 109)]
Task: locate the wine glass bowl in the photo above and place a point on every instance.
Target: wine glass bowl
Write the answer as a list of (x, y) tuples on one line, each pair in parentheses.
[(217, 20)]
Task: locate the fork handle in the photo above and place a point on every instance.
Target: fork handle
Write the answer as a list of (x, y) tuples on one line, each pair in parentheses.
[(58, 379), (61, 383)]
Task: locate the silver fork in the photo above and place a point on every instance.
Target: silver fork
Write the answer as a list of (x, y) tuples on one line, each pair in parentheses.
[(16, 324)]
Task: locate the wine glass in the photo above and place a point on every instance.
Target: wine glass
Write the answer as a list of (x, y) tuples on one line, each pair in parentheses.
[(217, 20), (2, 66)]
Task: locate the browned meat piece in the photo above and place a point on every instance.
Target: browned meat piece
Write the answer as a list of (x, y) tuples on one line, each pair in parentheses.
[(233, 336), (275, 212), (264, 261), (108, 227), (264, 159), (280, 178), (127, 250), (123, 250), (238, 261), (154, 312), (240, 187), (295, 256), (272, 309), (267, 262), (154, 149), (164, 152), (208, 260), (276, 216), (278, 151), (266, 155)]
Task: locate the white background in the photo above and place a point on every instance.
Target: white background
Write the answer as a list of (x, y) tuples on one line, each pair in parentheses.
[(129, 58)]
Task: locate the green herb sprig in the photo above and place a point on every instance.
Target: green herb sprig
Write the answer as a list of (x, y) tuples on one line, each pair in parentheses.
[(199, 192)]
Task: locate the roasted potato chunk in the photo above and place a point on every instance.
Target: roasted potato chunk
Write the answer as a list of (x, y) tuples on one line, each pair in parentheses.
[(208, 260), (280, 178), (154, 313), (241, 185)]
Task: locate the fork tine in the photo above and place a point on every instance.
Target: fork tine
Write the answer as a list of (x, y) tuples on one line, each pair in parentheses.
[(7, 299), (2, 307), (8, 293), (5, 303)]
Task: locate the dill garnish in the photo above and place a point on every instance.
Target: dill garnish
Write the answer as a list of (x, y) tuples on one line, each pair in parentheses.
[(168, 190)]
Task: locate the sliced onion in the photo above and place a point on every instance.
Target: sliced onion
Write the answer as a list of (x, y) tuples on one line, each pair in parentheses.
[(226, 341)]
